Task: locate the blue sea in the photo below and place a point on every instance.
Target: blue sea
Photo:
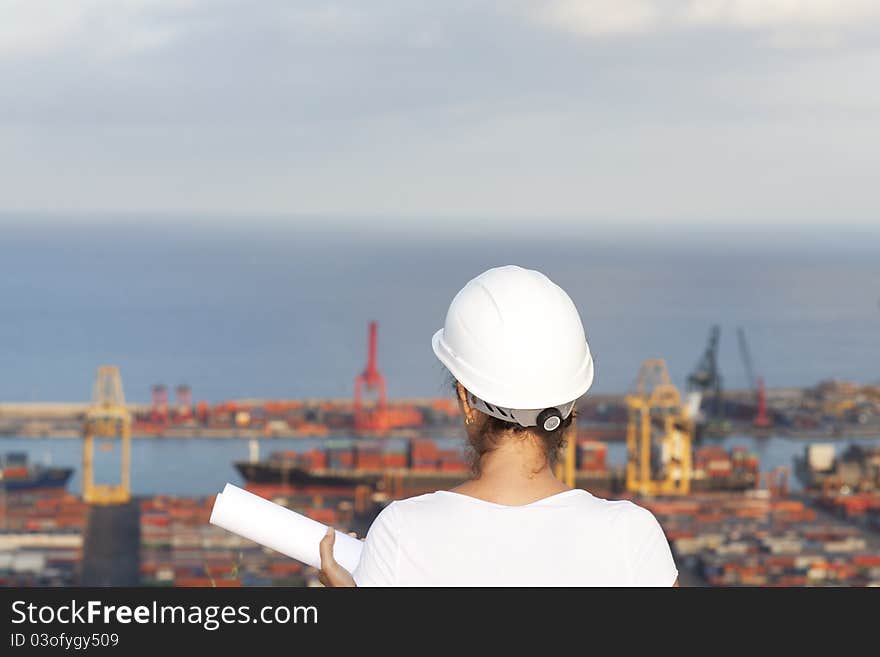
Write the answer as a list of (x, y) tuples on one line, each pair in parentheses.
[(251, 308), (256, 309), (197, 467)]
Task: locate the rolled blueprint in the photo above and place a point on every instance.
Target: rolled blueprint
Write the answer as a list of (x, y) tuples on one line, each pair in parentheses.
[(285, 531)]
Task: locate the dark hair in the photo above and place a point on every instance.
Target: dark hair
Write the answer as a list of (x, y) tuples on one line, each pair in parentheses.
[(493, 428)]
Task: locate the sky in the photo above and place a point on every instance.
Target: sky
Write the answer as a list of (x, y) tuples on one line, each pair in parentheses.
[(728, 113)]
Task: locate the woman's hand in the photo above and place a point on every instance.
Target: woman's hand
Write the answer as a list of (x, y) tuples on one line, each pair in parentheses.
[(331, 573)]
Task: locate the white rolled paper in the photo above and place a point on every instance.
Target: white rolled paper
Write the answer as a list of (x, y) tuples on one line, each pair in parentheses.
[(285, 531)]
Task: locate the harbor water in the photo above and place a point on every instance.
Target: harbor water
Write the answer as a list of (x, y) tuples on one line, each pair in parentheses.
[(202, 466), (280, 314)]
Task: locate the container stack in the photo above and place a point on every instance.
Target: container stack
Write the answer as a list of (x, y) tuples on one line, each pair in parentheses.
[(314, 459), (714, 467), (394, 455), (451, 460), (592, 456), (340, 457), (743, 459), (754, 540), (425, 455), (863, 508), (41, 538), (369, 455), (180, 548), (713, 461)]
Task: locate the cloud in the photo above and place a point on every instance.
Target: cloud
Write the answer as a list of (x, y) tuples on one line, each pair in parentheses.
[(31, 26), (46, 27), (781, 13), (113, 27), (782, 23), (41, 27), (639, 108), (601, 17)]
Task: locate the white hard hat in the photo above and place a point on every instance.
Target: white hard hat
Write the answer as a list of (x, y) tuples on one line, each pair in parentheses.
[(515, 341)]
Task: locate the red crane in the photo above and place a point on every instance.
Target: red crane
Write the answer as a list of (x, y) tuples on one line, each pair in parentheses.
[(372, 419), (184, 402), (762, 420), (159, 414)]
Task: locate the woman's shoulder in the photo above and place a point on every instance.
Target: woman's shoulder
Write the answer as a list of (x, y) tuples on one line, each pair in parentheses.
[(415, 504), (397, 508), (443, 503), (620, 511)]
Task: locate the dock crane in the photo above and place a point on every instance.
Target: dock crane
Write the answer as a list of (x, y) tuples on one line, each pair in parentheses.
[(106, 419), (706, 379), (659, 435), (756, 384), (374, 419)]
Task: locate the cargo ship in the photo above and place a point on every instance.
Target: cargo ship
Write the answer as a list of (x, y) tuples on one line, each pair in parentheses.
[(16, 474), (718, 469), (397, 468), (856, 469), (403, 468)]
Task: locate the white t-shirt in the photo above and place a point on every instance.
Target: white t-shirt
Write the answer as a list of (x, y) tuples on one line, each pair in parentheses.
[(568, 539)]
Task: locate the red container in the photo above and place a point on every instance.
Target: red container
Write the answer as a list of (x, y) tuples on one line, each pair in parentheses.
[(325, 516), (391, 460), (867, 560), (319, 459), (284, 568), (424, 449)]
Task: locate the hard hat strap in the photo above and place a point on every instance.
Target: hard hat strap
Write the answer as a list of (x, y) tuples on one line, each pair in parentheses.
[(547, 418)]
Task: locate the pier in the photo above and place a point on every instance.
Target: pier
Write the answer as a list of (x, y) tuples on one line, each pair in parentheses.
[(111, 549)]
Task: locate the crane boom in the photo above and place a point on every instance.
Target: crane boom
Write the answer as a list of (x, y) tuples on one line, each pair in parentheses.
[(107, 418), (746, 356), (706, 377), (659, 435), (756, 383)]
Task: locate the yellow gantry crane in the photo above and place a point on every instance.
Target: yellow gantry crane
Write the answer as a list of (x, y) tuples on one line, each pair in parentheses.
[(107, 418), (658, 435)]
